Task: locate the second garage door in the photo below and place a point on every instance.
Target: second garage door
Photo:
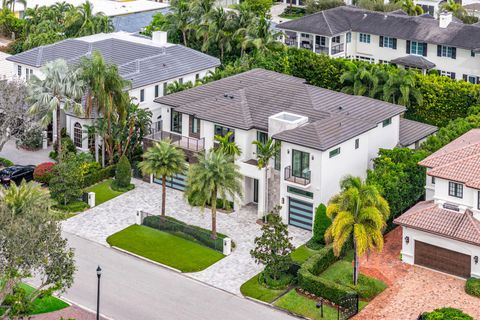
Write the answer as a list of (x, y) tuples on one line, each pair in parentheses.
[(441, 259), (300, 213)]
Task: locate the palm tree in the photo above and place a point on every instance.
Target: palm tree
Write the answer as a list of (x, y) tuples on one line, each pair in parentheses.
[(26, 195), (165, 160), (229, 148), (222, 30), (411, 8), (260, 37), (359, 80), (401, 88), (215, 175), (358, 212), (83, 22), (455, 7), (265, 152), (180, 19), (60, 88)]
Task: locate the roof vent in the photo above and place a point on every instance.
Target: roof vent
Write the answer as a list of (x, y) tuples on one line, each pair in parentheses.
[(225, 95), (231, 96), (164, 64), (340, 108)]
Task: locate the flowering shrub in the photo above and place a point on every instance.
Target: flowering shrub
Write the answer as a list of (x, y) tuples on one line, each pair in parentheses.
[(44, 172)]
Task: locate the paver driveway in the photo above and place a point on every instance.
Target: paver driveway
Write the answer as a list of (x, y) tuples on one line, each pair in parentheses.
[(412, 290), (229, 273)]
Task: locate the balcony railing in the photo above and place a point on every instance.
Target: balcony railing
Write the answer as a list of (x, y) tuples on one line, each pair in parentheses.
[(291, 42), (189, 143), (321, 49), (338, 48), (304, 180)]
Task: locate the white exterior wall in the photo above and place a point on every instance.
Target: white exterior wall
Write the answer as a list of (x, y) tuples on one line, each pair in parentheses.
[(69, 125), (383, 137), (441, 194), (408, 250)]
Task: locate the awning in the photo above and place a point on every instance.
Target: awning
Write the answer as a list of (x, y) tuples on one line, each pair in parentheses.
[(414, 62)]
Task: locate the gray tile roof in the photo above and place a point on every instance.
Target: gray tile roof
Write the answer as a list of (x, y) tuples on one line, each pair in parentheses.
[(142, 64), (246, 101), (346, 18), (414, 61), (413, 131)]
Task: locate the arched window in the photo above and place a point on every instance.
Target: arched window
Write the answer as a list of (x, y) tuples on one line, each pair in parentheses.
[(77, 135)]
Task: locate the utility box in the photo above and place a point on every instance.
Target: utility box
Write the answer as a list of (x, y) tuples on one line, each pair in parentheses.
[(91, 199), (227, 246), (139, 217)]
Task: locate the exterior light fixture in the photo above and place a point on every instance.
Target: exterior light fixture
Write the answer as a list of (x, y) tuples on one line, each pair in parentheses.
[(288, 151), (407, 239), (283, 202), (475, 259), (313, 157)]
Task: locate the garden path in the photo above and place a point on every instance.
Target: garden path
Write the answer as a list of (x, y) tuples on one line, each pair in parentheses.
[(228, 274)]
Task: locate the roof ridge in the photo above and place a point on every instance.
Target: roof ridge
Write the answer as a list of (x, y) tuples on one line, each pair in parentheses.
[(459, 223), (326, 20), (474, 222)]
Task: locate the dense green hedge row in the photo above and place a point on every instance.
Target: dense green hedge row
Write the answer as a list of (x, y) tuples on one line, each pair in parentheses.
[(472, 287), (98, 175), (187, 231), (309, 279)]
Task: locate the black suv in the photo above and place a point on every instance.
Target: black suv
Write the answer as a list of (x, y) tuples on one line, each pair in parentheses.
[(16, 174)]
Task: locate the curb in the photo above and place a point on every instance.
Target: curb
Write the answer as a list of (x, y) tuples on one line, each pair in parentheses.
[(85, 308), (271, 306), (146, 259)]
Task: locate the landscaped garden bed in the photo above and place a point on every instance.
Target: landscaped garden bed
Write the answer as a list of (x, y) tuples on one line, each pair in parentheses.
[(104, 192), (253, 288), (165, 248)]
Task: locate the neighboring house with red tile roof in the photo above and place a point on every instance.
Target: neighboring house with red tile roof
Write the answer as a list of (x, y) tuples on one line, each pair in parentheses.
[(443, 232)]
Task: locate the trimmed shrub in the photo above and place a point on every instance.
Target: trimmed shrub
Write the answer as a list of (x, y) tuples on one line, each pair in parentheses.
[(321, 224), (123, 173), (44, 172), (5, 162), (281, 283), (472, 287), (180, 228), (446, 314), (99, 175), (77, 206)]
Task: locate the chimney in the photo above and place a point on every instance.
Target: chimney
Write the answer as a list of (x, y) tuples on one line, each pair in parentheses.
[(159, 37), (445, 19)]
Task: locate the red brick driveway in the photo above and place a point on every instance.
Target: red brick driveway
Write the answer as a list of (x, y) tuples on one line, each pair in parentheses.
[(412, 290)]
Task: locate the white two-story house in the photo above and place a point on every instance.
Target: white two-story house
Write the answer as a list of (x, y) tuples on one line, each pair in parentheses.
[(150, 64), (324, 136), (419, 42), (443, 232)]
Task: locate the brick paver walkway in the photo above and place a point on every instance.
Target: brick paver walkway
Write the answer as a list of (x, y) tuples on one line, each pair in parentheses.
[(72, 312), (412, 290), (229, 273)]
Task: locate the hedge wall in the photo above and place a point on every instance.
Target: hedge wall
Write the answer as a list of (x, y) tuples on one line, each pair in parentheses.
[(187, 231), (99, 175)]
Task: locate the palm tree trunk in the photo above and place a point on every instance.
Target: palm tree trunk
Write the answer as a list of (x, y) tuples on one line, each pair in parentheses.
[(214, 214), (164, 194), (184, 34), (59, 131), (356, 263)]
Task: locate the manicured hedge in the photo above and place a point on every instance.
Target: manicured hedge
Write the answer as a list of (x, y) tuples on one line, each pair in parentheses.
[(187, 231), (446, 314), (99, 175), (472, 287), (309, 280), (5, 162)]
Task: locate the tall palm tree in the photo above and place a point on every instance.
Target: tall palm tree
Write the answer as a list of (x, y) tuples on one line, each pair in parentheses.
[(165, 160), (83, 22), (180, 19), (222, 28), (260, 37), (265, 152), (358, 212), (229, 148), (215, 175), (401, 88), (360, 80), (61, 88)]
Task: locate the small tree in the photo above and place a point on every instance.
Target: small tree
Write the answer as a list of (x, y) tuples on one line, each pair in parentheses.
[(273, 247), (321, 224), (66, 184), (123, 173)]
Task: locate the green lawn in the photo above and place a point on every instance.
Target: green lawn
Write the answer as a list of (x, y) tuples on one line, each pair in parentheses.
[(302, 253), (341, 272), (103, 192), (184, 255), (252, 288), (45, 304), (292, 16), (299, 304)]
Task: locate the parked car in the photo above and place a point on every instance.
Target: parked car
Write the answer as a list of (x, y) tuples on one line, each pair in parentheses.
[(16, 174)]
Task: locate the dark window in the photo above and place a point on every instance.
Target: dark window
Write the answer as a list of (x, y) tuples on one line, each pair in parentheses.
[(19, 71), (334, 152), (262, 137), (472, 53), (388, 42), (433, 180), (176, 122), (364, 37), (455, 189), (349, 37), (156, 91), (445, 51), (197, 76), (278, 158), (417, 48), (300, 164), (77, 134), (142, 95), (195, 125), (222, 131), (357, 143), (300, 192), (387, 122), (165, 88)]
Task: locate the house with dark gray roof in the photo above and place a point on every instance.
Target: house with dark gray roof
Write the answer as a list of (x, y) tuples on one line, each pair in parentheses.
[(443, 232), (150, 64), (446, 45), (324, 135)]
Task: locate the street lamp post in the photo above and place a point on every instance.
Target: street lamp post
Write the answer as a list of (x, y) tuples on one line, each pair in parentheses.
[(320, 306), (99, 274)]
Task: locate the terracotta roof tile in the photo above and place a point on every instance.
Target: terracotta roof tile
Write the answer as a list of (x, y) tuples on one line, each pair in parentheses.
[(464, 170)]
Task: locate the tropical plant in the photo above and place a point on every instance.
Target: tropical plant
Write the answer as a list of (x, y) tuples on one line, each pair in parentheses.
[(361, 80), (180, 19), (454, 7), (81, 21), (358, 212), (44, 172), (61, 88), (21, 198), (67, 182), (401, 88), (227, 146), (214, 176), (164, 160), (411, 8), (320, 224), (266, 151), (273, 247), (123, 173)]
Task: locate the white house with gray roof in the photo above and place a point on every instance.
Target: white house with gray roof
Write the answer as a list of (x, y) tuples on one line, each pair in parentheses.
[(420, 42), (150, 64), (324, 136)]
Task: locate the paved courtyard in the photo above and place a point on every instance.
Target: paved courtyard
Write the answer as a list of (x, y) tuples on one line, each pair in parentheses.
[(229, 273), (24, 157), (412, 290)]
